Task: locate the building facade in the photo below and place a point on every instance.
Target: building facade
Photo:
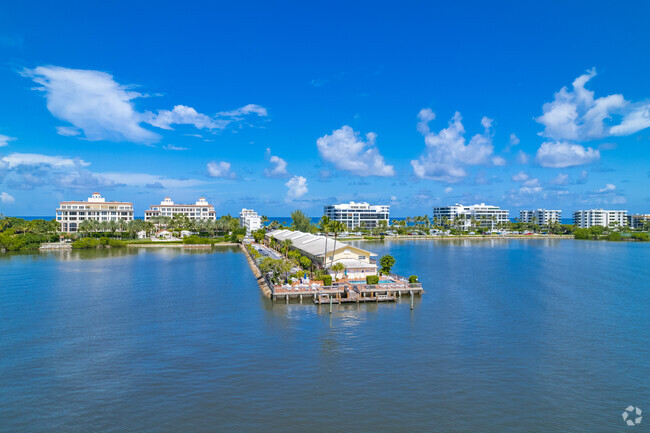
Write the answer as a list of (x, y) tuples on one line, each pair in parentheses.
[(486, 216), (355, 215), (201, 210), (541, 217), (599, 217), (637, 221), (249, 219), (71, 213)]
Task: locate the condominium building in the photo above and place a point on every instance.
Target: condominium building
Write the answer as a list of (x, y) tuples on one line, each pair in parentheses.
[(249, 219), (636, 221), (201, 210), (71, 213), (599, 217), (486, 216), (540, 217), (355, 215)]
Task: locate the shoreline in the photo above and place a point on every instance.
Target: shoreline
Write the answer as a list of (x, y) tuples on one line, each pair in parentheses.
[(454, 238), (162, 245)]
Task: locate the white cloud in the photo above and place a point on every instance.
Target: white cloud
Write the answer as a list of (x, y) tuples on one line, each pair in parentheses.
[(172, 147), (184, 115), (636, 119), (68, 131), (447, 152), (296, 188), (5, 139), (347, 151), (278, 166), (521, 176), (514, 140), (6, 198), (448, 190), (560, 179), (608, 188), (564, 154), (531, 186), (33, 159), (498, 161), (93, 102), (245, 110), (576, 115), (145, 179), (220, 169), (522, 157)]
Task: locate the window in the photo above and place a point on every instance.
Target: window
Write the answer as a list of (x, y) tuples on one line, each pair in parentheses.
[(361, 257)]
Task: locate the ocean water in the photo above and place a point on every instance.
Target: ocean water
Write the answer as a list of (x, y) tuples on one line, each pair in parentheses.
[(511, 335)]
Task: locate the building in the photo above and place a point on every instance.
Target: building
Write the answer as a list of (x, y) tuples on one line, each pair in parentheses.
[(599, 217), (321, 249), (637, 221), (481, 215), (541, 217), (355, 215), (249, 219), (71, 213), (201, 210)]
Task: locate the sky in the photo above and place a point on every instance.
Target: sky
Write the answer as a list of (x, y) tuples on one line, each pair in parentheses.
[(279, 106)]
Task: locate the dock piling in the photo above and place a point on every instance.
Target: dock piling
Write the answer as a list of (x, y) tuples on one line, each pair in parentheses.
[(330, 304), (411, 291)]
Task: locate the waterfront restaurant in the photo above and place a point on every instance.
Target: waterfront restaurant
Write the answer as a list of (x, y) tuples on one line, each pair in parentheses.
[(358, 263)]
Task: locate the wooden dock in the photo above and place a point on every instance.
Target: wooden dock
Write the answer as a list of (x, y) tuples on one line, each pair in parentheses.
[(347, 292)]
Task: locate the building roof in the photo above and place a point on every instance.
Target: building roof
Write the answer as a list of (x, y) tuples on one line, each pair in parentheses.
[(311, 244), (356, 264)]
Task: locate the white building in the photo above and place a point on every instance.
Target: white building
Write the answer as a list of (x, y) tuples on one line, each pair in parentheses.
[(201, 210), (486, 216), (541, 217), (355, 215), (249, 219), (71, 213), (599, 217)]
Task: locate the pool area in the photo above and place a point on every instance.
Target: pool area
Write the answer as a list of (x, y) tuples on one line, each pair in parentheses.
[(364, 281)]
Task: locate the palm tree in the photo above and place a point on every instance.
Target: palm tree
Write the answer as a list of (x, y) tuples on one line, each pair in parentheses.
[(286, 244), (323, 225), (336, 227)]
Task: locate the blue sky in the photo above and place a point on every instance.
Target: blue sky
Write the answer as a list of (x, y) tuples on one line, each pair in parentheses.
[(295, 105)]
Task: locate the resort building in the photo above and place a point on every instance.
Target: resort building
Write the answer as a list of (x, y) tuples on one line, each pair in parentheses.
[(599, 217), (480, 215), (321, 249), (541, 217), (355, 215), (71, 213), (249, 219), (637, 221), (201, 210)]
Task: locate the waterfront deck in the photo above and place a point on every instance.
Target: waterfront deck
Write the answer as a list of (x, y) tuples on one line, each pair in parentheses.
[(344, 292)]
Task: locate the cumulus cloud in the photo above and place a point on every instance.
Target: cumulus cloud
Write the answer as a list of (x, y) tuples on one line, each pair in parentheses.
[(498, 161), (564, 154), (576, 115), (448, 190), (514, 140), (347, 151), (531, 186), (6, 198), (278, 166), (220, 169), (636, 119), (522, 157), (93, 102), (296, 188), (100, 108), (447, 152), (521, 176), (560, 179), (5, 139)]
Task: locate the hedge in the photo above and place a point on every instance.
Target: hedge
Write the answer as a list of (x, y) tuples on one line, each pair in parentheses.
[(372, 279)]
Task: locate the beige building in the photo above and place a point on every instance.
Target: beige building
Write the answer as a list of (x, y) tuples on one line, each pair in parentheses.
[(358, 263), (201, 210), (71, 213)]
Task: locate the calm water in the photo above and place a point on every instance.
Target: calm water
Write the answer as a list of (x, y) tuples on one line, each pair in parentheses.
[(529, 335)]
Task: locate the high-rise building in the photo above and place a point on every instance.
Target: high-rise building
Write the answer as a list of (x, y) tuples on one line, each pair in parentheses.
[(636, 221), (249, 219), (355, 215), (486, 216), (540, 217), (599, 217), (201, 210), (71, 213)]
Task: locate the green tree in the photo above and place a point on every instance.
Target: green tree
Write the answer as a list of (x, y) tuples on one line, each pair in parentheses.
[(386, 263), (338, 267), (324, 227), (336, 227), (301, 222)]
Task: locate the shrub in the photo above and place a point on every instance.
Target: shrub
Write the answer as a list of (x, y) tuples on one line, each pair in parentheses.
[(327, 280), (640, 236), (86, 243), (614, 236), (372, 279), (413, 279)]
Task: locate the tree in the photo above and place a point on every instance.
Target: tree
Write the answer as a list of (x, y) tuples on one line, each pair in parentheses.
[(336, 227), (324, 226), (301, 222), (305, 262), (337, 268), (258, 235), (286, 244), (386, 263)]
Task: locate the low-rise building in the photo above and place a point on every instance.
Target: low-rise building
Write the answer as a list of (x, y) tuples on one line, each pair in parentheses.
[(481, 215), (637, 221), (540, 217), (323, 252), (599, 217), (355, 215), (201, 210), (70, 214), (249, 219)]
